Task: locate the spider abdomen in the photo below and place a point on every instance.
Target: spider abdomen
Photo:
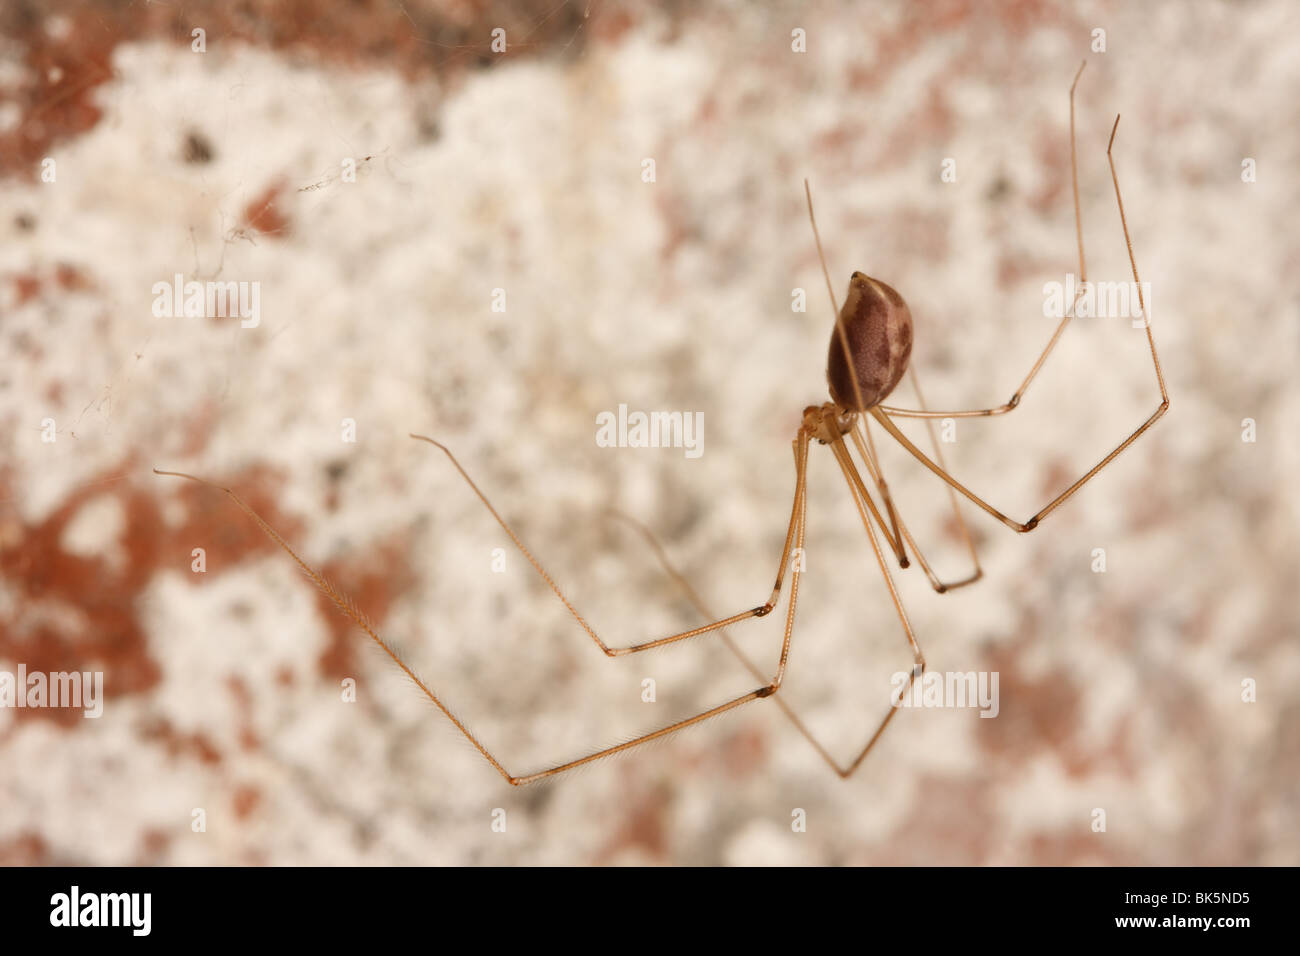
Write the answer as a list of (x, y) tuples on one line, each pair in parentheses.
[(878, 325)]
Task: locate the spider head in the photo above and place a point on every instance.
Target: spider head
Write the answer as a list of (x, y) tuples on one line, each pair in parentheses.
[(878, 326)]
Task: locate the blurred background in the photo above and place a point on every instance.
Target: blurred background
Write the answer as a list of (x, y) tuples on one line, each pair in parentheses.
[(466, 242)]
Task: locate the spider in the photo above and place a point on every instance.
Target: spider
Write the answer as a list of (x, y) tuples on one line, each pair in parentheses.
[(869, 352)]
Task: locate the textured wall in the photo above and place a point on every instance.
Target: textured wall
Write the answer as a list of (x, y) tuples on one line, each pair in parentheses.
[(523, 171)]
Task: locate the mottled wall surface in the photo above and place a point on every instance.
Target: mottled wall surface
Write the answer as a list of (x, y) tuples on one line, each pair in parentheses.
[(497, 274)]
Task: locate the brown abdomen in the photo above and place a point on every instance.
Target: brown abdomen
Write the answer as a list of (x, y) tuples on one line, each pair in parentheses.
[(878, 326)]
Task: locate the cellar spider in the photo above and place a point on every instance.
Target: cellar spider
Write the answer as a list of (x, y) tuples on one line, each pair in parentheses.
[(874, 328)]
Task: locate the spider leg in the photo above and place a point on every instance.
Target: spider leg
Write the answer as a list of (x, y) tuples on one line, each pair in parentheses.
[(609, 651), (1014, 401), (661, 554), (767, 690), (861, 494), (843, 771), (1032, 523), (854, 482), (867, 450), (349, 608)]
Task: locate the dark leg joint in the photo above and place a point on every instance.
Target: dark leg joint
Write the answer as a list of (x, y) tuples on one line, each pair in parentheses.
[(767, 691)]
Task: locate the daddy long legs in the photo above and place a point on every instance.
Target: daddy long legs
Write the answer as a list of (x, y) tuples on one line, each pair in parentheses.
[(870, 349)]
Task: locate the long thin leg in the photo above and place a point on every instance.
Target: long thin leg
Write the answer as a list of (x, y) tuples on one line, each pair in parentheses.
[(854, 482), (1014, 400), (767, 690), (938, 454), (609, 651), (348, 607), (861, 436), (752, 668), (895, 542), (694, 596), (878, 476), (1163, 407), (867, 450)]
